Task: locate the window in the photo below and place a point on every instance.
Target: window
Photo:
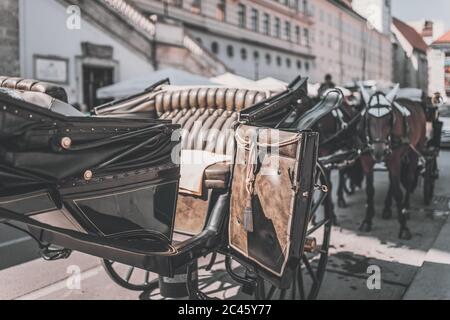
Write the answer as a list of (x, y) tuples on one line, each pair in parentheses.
[(230, 51), (306, 35), (279, 61), (299, 64), (242, 16), (287, 30), (307, 66), (215, 47), (297, 34), (256, 55), (178, 3), (296, 5), (255, 20), (277, 28), (268, 59), (288, 62), (196, 6), (199, 41), (266, 24), (244, 54), (221, 10)]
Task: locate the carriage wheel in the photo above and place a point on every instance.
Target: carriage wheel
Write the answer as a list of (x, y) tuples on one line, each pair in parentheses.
[(310, 271), (428, 181), (129, 277)]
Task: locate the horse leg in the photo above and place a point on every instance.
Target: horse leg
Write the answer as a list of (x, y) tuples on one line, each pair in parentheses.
[(387, 212), (340, 192), (329, 200), (411, 178), (366, 226), (394, 169)]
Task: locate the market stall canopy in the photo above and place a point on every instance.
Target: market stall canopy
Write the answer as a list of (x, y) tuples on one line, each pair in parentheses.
[(411, 93), (232, 80), (272, 84), (313, 89), (136, 85)]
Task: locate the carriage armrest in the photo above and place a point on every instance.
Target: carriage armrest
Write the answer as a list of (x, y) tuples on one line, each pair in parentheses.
[(217, 176)]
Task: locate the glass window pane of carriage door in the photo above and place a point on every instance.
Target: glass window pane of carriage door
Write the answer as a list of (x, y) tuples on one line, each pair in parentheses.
[(146, 209)]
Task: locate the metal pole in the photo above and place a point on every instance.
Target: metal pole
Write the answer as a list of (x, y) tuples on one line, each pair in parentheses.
[(154, 51)]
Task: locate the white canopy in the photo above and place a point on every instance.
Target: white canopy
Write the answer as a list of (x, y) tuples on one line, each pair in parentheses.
[(136, 85), (234, 81), (413, 94), (313, 89), (272, 84)]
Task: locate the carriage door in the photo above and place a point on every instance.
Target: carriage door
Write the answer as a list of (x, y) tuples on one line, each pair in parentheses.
[(271, 196)]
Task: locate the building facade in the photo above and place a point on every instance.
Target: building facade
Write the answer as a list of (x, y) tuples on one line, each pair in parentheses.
[(9, 37), (253, 38), (345, 45), (442, 45), (431, 31), (81, 58), (90, 44), (377, 12), (410, 62)]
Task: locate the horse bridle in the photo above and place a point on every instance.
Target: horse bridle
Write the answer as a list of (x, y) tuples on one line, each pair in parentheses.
[(369, 139)]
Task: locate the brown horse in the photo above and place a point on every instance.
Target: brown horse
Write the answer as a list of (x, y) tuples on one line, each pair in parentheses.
[(338, 131), (394, 132)]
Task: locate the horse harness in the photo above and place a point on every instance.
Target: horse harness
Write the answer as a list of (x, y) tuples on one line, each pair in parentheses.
[(376, 110)]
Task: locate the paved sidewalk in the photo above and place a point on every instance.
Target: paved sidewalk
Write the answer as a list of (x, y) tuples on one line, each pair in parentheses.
[(433, 279)]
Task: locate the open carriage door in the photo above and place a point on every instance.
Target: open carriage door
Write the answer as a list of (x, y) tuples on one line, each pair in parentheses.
[(272, 187)]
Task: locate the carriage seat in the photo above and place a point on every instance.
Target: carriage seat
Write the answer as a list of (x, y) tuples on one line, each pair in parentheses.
[(21, 84), (207, 117)]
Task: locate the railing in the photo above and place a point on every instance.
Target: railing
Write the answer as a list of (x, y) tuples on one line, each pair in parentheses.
[(203, 55), (199, 53), (132, 15)]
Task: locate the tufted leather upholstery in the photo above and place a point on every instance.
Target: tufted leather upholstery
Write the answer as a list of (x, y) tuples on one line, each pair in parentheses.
[(34, 85), (206, 115)]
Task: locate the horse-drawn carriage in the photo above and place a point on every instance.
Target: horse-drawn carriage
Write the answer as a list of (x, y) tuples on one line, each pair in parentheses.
[(428, 169), (119, 184)]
